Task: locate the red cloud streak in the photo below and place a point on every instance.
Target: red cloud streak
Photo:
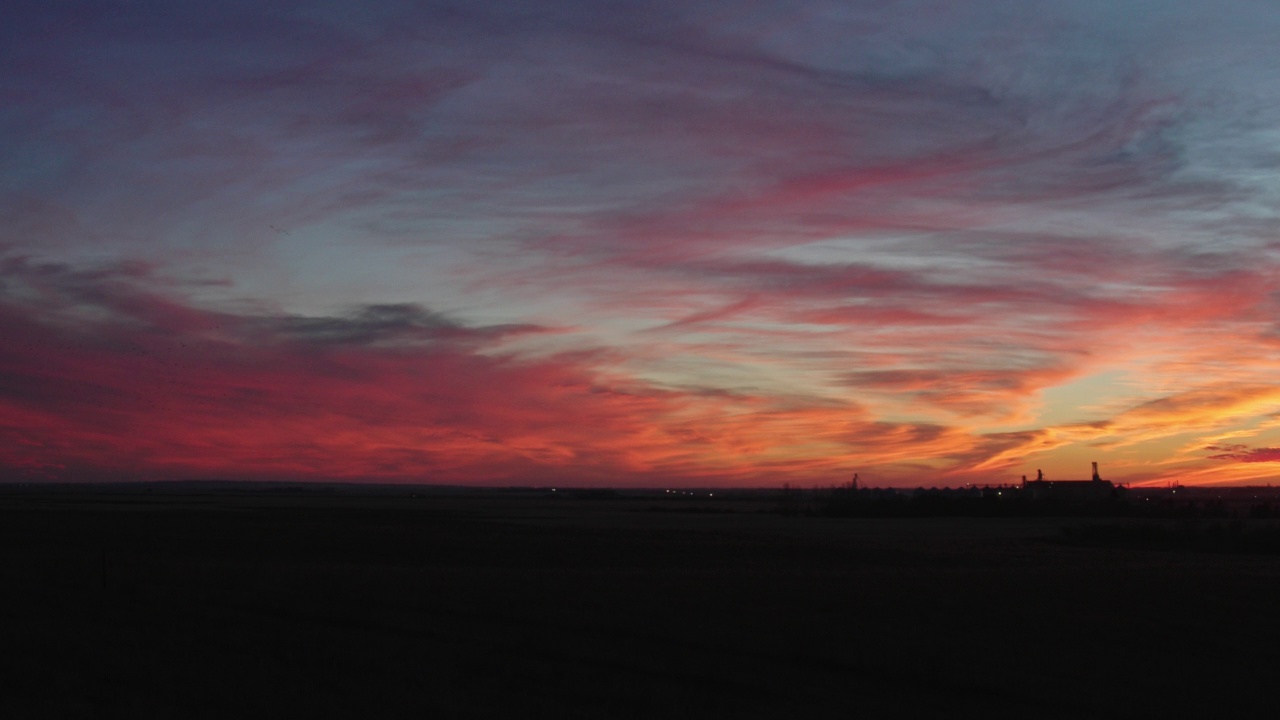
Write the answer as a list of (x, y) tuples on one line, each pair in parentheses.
[(102, 377)]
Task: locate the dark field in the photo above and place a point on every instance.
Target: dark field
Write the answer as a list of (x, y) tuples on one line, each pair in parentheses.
[(492, 605)]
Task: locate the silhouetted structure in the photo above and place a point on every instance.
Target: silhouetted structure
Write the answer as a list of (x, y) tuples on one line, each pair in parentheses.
[(1070, 491)]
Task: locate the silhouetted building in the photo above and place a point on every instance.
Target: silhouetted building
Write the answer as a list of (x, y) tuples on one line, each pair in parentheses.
[(1071, 491)]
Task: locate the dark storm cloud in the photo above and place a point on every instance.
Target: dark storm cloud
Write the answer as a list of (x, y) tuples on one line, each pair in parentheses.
[(136, 293), (385, 323)]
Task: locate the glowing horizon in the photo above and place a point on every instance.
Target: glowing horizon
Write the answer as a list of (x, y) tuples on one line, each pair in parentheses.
[(649, 244)]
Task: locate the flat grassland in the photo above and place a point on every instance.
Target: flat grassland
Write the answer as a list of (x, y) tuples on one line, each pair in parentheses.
[(488, 604)]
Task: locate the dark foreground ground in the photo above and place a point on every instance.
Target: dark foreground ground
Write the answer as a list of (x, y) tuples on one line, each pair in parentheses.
[(500, 605)]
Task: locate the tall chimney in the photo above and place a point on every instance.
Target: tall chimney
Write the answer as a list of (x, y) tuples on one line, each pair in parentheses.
[(1096, 477)]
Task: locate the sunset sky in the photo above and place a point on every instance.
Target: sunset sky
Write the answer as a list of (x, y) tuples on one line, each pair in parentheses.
[(640, 243)]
